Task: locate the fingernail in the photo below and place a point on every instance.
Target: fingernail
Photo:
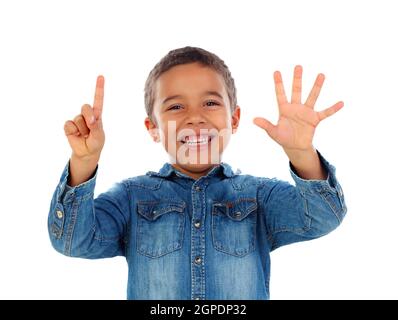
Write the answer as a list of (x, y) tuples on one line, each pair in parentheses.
[(92, 120)]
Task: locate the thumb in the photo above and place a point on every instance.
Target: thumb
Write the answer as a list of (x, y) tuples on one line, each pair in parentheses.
[(96, 127), (267, 126), (89, 117)]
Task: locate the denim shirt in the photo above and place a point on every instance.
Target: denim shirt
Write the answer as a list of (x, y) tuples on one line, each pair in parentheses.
[(208, 238)]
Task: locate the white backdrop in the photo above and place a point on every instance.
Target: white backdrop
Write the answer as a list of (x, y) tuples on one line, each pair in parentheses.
[(51, 53)]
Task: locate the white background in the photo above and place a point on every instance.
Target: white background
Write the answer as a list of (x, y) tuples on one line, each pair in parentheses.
[(51, 53)]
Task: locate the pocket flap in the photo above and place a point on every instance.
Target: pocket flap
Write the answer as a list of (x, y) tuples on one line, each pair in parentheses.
[(236, 210), (151, 210)]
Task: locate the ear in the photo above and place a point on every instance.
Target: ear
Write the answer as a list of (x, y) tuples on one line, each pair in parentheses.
[(235, 119), (152, 129)]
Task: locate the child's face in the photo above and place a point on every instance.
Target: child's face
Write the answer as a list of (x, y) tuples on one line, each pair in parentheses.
[(192, 117)]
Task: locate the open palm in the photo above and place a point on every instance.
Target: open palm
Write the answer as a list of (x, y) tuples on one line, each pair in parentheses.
[(297, 121)]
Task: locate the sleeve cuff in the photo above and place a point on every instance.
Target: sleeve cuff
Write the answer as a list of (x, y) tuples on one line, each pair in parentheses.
[(67, 193), (330, 184)]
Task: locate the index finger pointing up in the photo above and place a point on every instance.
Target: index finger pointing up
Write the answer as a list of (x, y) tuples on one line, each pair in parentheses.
[(99, 97)]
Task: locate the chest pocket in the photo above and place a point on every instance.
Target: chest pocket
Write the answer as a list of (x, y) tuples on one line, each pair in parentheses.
[(160, 227), (234, 226)]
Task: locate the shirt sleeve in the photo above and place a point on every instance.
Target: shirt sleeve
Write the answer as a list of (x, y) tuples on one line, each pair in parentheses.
[(308, 210), (81, 226)]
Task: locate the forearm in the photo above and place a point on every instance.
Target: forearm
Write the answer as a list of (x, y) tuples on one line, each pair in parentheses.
[(81, 170), (71, 216), (82, 226), (306, 163)]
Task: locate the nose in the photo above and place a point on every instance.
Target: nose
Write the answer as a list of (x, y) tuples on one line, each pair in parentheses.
[(195, 117)]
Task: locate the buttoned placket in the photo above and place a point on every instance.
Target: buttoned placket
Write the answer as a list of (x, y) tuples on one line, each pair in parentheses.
[(198, 240)]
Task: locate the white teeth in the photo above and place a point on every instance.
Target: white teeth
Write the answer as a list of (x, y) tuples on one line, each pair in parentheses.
[(200, 141), (194, 140)]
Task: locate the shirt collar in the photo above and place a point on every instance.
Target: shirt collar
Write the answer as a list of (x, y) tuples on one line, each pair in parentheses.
[(167, 170)]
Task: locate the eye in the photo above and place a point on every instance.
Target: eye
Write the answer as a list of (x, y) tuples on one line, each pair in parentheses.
[(175, 107), (211, 103)]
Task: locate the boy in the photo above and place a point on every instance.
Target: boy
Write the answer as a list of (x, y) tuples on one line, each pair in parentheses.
[(196, 229)]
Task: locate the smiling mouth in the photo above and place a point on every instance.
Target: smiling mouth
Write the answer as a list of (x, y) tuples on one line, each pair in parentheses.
[(193, 141)]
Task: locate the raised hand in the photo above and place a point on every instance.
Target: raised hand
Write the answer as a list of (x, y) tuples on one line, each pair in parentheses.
[(86, 137), (85, 133), (297, 121)]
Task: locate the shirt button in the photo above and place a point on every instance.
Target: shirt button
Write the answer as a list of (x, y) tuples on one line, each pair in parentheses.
[(197, 298), (197, 224), (197, 188), (60, 214), (198, 260)]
